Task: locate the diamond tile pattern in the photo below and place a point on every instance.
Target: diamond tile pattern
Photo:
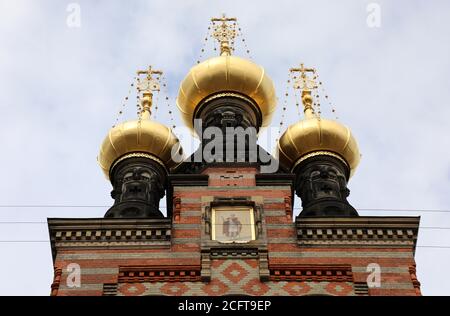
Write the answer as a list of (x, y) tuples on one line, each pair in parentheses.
[(237, 277), (297, 288), (235, 272), (174, 288)]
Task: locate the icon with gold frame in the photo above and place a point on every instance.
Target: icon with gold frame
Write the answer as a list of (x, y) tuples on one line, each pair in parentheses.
[(233, 224)]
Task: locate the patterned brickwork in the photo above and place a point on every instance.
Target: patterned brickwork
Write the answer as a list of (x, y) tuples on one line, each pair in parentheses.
[(155, 273), (238, 277), (316, 273), (56, 281), (176, 256)]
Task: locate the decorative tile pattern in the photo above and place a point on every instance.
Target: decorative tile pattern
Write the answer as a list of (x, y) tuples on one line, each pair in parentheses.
[(215, 288), (169, 273), (256, 288), (340, 273), (174, 289), (235, 272), (339, 288), (240, 277), (133, 289), (297, 288)]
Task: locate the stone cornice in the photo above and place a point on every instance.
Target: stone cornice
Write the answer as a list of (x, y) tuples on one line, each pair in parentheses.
[(111, 233), (311, 273), (362, 231), (167, 273), (275, 179)]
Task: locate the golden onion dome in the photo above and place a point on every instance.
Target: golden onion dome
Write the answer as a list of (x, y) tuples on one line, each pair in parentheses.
[(317, 136), (226, 74), (139, 138)]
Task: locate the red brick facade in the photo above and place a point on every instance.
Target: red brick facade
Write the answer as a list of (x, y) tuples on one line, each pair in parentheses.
[(314, 256)]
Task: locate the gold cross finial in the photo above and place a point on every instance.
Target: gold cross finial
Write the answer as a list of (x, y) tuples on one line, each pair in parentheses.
[(305, 84), (147, 85), (224, 33)]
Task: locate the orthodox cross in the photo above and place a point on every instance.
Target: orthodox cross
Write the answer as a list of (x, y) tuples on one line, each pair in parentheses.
[(148, 83), (306, 85), (224, 33), (303, 82)]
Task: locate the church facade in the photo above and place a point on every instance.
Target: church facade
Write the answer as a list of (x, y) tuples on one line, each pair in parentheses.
[(229, 227)]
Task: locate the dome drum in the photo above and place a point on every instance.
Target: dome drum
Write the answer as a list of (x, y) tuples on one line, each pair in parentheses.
[(242, 109), (136, 156), (142, 156), (321, 184), (323, 154), (139, 183)]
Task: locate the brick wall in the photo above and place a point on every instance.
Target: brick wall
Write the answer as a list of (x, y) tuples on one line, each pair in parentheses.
[(136, 258)]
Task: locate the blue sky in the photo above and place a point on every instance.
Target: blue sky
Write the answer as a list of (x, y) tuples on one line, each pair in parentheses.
[(61, 89)]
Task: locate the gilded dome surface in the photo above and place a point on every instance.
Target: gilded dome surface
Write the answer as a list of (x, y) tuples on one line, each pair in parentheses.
[(226, 74), (141, 137), (314, 135)]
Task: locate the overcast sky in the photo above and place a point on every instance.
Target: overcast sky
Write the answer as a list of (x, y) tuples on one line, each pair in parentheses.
[(61, 88)]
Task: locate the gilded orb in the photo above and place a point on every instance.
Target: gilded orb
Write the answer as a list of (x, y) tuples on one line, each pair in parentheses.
[(314, 136), (226, 74), (139, 138)]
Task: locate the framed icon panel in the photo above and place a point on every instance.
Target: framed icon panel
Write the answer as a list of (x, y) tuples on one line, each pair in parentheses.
[(233, 224)]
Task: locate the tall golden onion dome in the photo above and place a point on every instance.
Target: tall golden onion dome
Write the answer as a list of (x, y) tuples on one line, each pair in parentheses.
[(141, 137), (226, 74), (314, 135)]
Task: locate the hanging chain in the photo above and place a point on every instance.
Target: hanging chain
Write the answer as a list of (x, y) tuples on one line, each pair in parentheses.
[(167, 99), (138, 103), (213, 26), (205, 42), (124, 103), (327, 98), (155, 104), (244, 42), (297, 97), (139, 107), (156, 100), (315, 92), (285, 105)]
